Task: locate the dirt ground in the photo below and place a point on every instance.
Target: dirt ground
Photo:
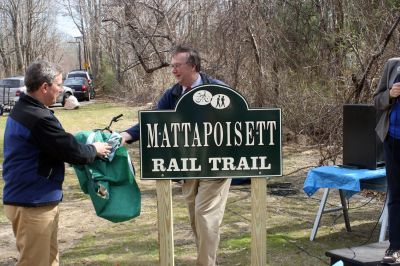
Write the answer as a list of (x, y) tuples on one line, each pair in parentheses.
[(76, 218)]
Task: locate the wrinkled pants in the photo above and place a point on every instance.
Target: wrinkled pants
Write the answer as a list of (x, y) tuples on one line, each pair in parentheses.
[(35, 230), (206, 200)]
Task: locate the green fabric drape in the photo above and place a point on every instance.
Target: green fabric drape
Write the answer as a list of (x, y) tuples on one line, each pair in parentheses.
[(110, 184)]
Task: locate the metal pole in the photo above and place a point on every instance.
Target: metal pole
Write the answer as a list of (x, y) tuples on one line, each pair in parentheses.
[(78, 40), (79, 56), (79, 51)]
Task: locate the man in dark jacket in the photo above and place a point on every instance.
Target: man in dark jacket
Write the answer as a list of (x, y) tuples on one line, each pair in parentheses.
[(35, 149), (205, 198), (388, 129)]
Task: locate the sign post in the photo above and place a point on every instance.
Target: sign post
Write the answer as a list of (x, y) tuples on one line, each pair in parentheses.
[(165, 222), (212, 133), (258, 221)]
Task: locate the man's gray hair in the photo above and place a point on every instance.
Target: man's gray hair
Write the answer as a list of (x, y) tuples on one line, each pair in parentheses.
[(193, 55), (40, 72)]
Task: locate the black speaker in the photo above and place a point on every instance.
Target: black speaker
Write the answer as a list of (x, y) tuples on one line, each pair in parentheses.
[(361, 146)]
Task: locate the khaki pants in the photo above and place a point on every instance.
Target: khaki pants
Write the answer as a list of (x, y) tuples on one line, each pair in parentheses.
[(35, 230), (206, 200)]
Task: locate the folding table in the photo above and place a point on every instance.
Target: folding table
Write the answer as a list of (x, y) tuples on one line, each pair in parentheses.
[(348, 181)]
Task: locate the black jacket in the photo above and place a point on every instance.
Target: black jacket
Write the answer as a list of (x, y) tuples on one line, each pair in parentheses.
[(35, 149)]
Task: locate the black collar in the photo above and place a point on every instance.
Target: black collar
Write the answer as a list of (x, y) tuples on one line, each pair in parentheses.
[(29, 99)]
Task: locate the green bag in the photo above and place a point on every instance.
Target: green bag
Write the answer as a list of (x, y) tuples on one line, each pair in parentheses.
[(109, 182)]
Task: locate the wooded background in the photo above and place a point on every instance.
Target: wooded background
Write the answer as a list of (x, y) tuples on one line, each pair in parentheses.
[(307, 57)]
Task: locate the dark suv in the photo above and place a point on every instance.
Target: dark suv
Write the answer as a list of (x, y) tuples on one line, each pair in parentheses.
[(80, 86), (87, 76)]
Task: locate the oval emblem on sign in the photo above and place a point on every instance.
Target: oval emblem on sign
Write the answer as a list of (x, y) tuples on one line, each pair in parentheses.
[(202, 97), (220, 101)]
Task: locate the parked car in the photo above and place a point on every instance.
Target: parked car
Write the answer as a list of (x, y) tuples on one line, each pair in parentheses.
[(10, 90), (79, 74), (86, 75), (67, 91), (80, 86)]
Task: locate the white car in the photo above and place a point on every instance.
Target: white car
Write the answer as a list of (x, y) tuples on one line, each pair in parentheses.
[(67, 91), (10, 90)]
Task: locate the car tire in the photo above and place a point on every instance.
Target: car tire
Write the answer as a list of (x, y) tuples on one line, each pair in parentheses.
[(66, 96)]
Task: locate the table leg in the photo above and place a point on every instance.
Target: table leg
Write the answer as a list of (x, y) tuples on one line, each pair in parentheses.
[(345, 210), (319, 214), (321, 210), (384, 222)]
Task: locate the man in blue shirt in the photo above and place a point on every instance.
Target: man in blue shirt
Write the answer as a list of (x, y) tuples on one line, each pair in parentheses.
[(205, 198)]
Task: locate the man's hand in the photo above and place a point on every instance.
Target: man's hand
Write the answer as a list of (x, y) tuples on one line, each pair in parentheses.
[(125, 137), (395, 90), (102, 148)]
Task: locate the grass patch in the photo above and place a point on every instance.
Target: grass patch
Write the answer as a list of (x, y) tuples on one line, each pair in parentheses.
[(117, 245), (98, 115)]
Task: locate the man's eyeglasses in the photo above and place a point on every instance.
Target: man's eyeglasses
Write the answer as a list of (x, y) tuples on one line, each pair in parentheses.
[(177, 65)]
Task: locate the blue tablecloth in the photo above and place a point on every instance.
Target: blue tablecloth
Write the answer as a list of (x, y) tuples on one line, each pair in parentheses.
[(339, 177)]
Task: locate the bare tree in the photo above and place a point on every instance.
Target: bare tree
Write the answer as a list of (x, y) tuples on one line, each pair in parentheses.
[(27, 33), (11, 8)]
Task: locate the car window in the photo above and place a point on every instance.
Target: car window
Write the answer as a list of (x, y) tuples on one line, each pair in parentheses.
[(77, 75), (12, 83), (73, 82)]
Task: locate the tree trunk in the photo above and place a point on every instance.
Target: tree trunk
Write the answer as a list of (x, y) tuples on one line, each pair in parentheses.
[(15, 5)]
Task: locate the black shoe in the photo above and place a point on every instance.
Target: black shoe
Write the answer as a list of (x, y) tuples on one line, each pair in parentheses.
[(392, 257)]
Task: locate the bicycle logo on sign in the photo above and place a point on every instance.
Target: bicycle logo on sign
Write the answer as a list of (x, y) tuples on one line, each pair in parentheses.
[(202, 97)]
